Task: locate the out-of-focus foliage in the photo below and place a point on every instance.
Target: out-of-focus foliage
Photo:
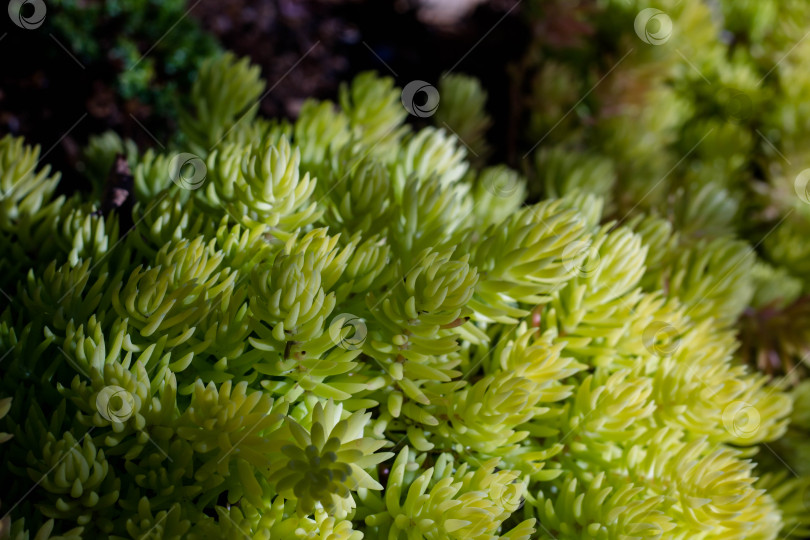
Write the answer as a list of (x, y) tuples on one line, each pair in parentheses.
[(153, 46)]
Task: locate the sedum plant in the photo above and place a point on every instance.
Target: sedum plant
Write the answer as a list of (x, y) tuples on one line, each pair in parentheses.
[(688, 119), (691, 112), (338, 328)]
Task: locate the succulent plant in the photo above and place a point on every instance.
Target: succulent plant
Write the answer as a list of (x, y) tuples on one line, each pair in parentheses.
[(339, 328), (691, 112)]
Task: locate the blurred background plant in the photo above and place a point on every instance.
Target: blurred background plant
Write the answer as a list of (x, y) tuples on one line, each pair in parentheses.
[(153, 49)]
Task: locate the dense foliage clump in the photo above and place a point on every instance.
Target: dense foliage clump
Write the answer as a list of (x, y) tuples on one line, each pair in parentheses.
[(339, 328), (694, 112)]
